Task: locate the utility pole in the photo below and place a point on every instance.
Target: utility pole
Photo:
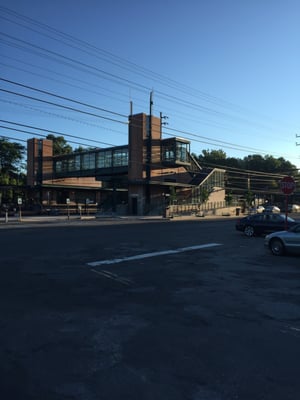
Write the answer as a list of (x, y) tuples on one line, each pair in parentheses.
[(162, 117), (149, 154), (297, 144)]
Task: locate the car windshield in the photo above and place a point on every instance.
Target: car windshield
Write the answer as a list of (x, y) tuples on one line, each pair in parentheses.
[(271, 217), (290, 219)]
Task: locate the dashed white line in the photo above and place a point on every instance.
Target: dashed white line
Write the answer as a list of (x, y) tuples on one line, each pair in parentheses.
[(153, 254)]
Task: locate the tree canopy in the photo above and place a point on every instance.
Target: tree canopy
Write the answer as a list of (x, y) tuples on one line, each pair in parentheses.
[(60, 145), (254, 162), (11, 174), (252, 174), (11, 155)]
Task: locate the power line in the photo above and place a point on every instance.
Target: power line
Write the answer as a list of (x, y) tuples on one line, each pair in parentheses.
[(62, 106), (49, 131), (223, 143), (61, 97), (81, 45)]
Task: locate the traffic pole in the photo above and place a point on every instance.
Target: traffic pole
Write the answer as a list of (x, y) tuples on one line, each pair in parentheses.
[(286, 211)]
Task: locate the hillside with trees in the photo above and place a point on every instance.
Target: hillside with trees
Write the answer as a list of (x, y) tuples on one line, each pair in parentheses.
[(251, 176)]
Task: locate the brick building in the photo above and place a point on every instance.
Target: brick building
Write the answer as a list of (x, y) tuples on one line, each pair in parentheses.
[(138, 178)]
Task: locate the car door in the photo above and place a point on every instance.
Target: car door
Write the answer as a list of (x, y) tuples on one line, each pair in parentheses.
[(259, 222), (292, 239), (277, 223)]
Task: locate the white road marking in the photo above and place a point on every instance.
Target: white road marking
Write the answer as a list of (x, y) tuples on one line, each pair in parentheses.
[(114, 277), (153, 254)]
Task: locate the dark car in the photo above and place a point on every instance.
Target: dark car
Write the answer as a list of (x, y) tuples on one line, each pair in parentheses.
[(263, 223)]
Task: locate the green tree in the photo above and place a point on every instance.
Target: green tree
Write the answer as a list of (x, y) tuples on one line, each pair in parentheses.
[(249, 196), (228, 198), (11, 155), (204, 195), (60, 145), (217, 157), (79, 149), (11, 174)]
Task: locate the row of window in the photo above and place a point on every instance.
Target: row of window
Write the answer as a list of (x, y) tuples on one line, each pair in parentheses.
[(175, 151), (86, 161)]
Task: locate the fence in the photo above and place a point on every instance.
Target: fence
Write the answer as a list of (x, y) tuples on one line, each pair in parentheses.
[(196, 208)]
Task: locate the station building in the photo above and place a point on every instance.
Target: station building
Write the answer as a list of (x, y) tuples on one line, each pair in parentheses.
[(139, 178)]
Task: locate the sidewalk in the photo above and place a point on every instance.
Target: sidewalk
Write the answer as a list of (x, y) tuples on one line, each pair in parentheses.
[(45, 219)]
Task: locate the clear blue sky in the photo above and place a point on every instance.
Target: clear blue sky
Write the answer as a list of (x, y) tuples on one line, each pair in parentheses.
[(225, 72)]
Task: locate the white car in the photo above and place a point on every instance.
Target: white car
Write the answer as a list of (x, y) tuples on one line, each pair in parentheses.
[(257, 209), (273, 209), (284, 241), (294, 208)]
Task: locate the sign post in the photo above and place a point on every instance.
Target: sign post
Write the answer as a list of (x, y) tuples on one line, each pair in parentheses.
[(68, 209), (20, 208), (287, 186)]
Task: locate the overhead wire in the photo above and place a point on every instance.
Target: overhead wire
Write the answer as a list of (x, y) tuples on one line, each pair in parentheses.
[(199, 137), (61, 106), (84, 44), (113, 59), (168, 97), (160, 93), (61, 97), (51, 131)]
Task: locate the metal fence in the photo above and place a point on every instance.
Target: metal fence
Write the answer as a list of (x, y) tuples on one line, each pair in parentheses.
[(196, 208)]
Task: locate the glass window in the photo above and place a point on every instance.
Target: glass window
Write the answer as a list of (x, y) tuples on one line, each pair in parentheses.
[(181, 152), (120, 158), (58, 166), (77, 162), (88, 161), (71, 164), (168, 153), (104, 159)]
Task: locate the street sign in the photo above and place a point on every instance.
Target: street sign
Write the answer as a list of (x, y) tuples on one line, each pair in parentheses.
[(287, 185), (19, 201)]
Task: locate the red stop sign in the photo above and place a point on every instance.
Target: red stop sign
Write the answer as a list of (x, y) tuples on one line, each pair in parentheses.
[(287, 185)]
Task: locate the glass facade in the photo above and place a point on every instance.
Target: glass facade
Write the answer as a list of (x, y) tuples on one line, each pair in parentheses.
[(182, 152), (88, 161), (92, 160), (120, 157), (175, 151), (214, 181), (104, 159)]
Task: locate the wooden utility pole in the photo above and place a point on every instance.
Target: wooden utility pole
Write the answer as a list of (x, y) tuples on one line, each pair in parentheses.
[(149, 155)]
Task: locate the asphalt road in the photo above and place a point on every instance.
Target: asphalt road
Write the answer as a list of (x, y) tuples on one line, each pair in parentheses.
[(106, 310)]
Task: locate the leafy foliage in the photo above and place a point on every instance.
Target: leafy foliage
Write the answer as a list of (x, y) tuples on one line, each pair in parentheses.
[(255, 162), (250, 175), (60, 145), (11, 155)]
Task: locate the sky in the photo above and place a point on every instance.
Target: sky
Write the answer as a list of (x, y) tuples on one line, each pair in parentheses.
[(225, 73)]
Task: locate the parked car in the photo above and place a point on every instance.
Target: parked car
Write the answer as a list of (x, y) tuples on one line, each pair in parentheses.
[(284, 241), (293, 208), (273, 209), (263, 223), (257, 209)]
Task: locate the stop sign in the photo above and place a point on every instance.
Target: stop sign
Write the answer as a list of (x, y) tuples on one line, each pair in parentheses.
[(287, 185)]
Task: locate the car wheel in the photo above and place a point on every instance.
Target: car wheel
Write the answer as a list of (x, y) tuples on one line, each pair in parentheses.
[(277, 247), (249, 231)]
